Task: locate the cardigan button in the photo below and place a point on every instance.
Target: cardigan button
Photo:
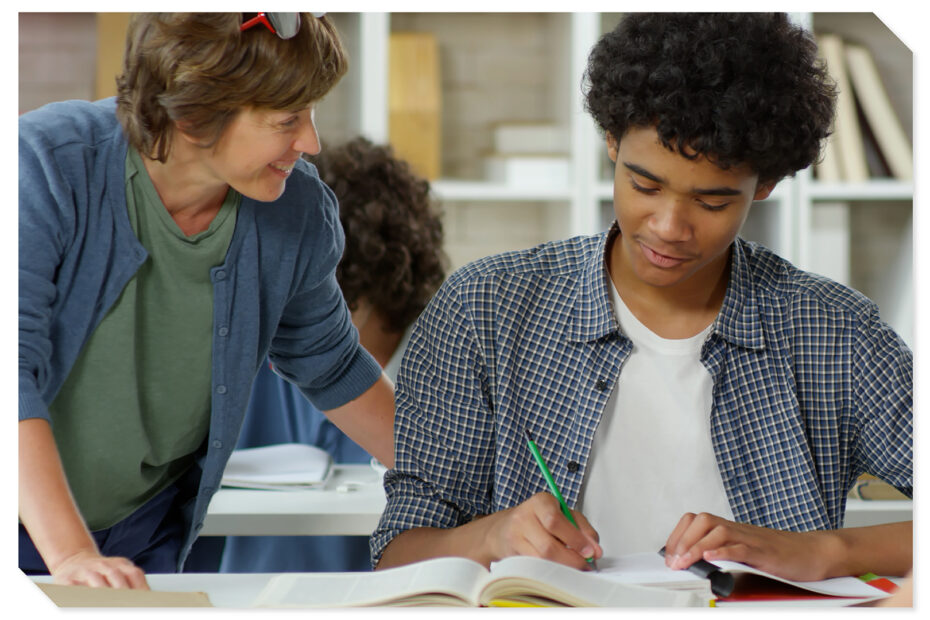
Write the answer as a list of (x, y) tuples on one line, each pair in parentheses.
[(600, 385), (573, 466)]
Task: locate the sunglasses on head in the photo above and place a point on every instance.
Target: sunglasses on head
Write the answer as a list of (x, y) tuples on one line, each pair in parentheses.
[(285, 25)]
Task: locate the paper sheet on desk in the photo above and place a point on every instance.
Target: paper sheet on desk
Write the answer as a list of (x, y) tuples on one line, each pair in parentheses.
[(650, 569), (289, 466)]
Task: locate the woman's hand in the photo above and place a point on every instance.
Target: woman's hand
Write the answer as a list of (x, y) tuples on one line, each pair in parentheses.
[(89, 568)]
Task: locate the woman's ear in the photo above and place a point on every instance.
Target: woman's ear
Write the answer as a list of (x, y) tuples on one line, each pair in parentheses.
[(612, 146), (181, 130)]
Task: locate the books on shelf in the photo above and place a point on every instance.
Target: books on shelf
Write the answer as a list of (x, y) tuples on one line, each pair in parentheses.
[(848, 151), (530, 170), (521, 137), (287, 466), (528, 154), (868, 139), (415, 101), (876, 106)]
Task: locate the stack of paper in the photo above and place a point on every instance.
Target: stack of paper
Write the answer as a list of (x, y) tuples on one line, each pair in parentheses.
[(289, 466)]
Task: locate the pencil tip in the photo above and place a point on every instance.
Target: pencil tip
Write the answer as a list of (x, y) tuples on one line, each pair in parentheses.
[(528, 436)]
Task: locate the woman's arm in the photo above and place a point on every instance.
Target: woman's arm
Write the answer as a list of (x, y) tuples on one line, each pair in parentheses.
[(49, 514), (369, 420)]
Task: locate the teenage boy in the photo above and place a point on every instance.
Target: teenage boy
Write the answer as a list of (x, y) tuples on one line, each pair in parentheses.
[(687, 388)]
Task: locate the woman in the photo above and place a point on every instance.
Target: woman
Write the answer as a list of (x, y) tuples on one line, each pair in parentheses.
[(170, 242), (392, 265)]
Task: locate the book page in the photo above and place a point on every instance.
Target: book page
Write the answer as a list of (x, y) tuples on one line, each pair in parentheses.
[(443, 581), (518, 576), (650, 569)]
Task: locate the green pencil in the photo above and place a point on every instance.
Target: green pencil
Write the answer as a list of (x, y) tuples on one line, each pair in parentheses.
[(552, 486)]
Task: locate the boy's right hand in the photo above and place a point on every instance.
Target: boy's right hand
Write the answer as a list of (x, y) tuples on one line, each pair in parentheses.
[(538, 528), (89, 568)]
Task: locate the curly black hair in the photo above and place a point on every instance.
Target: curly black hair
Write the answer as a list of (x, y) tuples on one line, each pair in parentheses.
[(737, 88), (393, 256)]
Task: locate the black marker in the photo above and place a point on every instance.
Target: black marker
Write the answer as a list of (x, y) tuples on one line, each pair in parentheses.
[(721, 583)]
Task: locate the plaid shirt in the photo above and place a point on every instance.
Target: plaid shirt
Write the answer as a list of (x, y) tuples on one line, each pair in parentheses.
[(811, 390)]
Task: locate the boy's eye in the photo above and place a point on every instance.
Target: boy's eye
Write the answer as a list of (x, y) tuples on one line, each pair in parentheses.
[(641, 188), (713, 207)]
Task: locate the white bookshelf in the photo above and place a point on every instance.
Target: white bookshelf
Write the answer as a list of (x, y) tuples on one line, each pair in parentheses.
[(866, 244)]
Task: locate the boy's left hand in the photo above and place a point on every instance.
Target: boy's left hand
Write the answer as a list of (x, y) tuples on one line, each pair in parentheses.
[(800, 556)]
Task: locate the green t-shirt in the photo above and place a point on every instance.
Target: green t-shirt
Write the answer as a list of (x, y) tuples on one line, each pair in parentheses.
[(136, 406)]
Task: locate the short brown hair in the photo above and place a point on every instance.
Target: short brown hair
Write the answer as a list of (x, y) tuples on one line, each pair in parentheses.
[(199, 70)]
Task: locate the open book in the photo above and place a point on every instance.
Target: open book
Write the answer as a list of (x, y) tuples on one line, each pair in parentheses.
[(286, 466), (648, 569), (514, 581)]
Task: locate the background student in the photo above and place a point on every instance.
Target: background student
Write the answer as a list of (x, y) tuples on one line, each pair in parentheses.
[(171, 241), (687, 388), (392, 265)]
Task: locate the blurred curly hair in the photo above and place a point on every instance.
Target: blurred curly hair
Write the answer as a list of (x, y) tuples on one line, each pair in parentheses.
[(736, 87), (393, 256)]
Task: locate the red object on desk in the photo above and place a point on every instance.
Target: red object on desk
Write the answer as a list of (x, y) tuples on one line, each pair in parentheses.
[(883, 584), (750, 587)]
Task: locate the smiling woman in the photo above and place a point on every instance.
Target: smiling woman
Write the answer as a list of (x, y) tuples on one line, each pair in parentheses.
[(176, 239)]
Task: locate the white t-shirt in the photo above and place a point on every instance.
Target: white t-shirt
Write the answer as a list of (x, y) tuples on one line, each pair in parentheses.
[(652, 458)]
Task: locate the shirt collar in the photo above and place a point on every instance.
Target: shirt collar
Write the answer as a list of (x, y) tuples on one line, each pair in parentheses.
[(739, 321), (593, 316)]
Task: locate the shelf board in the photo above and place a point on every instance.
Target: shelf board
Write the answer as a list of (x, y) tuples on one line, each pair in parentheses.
[(878, 189), (449, 189)]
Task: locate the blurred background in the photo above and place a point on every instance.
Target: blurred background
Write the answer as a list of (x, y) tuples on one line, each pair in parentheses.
[(488, 106)]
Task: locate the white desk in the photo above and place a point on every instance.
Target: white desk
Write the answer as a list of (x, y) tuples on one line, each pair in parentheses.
[(239, 590), (349, 504), (862, 512), (224, 589), (352, 500)]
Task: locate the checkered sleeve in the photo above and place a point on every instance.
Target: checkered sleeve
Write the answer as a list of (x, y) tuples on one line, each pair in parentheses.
[(883, 375), (443, 428)]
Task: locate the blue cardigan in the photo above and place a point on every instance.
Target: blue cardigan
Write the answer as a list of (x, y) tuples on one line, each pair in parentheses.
[(275, 296)]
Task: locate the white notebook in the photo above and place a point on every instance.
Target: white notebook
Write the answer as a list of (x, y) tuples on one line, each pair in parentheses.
[(286, 466)]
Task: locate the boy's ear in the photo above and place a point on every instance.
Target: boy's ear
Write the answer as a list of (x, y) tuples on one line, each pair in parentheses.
[(612, 146), (764, 189)]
